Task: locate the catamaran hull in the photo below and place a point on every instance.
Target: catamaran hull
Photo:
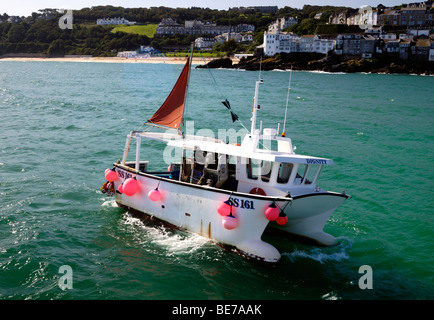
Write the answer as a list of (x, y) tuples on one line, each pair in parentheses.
[(308, 214), (195, 209)]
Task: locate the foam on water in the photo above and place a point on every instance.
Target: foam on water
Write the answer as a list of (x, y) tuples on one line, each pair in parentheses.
[(173, 243), (109, 204), (322, 255)]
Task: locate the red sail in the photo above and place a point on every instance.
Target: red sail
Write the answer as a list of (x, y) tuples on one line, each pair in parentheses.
[(171, 112)]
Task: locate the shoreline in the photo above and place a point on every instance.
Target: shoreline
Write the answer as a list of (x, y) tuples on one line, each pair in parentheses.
[(235, 64), (168, 60)]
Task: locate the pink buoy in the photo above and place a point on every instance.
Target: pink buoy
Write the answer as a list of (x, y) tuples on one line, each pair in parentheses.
[(154, 195), (272, 212), (131, 186), (224, 208), (121, 188), (230, 222), (111, 175), (282, 219)]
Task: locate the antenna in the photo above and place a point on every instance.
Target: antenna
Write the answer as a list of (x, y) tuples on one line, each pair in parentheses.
[(260, 70), (287, 99)]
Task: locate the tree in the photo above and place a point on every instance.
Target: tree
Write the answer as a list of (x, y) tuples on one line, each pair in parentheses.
[(16, 33), (56, 48), (230, 47)]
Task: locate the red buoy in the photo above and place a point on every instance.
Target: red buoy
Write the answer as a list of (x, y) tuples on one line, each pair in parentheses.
[(272, 212), (131, 186)]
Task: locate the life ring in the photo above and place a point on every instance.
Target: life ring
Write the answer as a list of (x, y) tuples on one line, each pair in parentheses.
[(258, 191)]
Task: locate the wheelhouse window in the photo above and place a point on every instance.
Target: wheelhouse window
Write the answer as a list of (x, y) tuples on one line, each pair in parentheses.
[(256, 168), (312, 174), (266, 170), (302, 169), (252, 168), (307, 174), (284, 173)]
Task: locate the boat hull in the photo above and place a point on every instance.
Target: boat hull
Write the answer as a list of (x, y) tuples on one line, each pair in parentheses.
[(308, 214), (195, 208)]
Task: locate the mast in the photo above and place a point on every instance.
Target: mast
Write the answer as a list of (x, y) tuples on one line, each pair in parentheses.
[(255, 106), (287, 99), (181, 128)]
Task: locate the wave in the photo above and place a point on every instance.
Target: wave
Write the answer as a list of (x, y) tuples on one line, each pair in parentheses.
[(325, 72), (423, 75), (110, 204), (323, 255), (172, 242)]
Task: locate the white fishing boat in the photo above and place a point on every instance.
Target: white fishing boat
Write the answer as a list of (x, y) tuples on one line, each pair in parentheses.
[(229, 193)]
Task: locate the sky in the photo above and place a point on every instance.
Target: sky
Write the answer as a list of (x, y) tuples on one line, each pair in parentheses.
[(26, 7)]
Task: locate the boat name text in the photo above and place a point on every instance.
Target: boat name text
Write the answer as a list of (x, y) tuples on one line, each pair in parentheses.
[(124, 175), (316, 161), (243, 204)]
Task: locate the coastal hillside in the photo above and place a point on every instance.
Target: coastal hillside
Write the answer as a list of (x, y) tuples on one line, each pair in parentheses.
[(39, 34)]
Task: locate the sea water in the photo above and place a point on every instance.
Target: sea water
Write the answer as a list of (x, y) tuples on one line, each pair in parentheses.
[(64, 123)]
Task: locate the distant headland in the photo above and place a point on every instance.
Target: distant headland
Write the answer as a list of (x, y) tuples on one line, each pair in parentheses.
[(326, 63)]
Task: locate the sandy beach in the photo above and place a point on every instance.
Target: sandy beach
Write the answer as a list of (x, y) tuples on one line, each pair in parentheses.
[(169, 60)]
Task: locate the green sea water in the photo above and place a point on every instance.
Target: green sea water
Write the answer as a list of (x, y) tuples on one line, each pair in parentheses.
[(64, 123)]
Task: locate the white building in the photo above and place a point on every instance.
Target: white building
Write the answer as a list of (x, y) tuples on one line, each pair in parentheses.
[(307, 43), (247, 37), (14, 19), (127, 54), (203, 42), (363, 18), (276, 42), (323, 45), (282, 23), (109, 21)]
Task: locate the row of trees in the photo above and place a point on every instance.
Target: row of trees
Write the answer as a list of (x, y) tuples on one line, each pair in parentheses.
[(156, 14), (40, 33), (46, 37)]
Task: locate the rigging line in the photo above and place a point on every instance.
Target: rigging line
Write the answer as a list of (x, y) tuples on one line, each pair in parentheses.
[(212, 76), (223, 97), (217, 86), (287, 99)]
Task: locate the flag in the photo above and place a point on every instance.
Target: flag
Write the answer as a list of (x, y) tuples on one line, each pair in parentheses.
[(228, 105)]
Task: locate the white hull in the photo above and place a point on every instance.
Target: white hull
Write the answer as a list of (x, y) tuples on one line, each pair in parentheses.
[(194, 208), (308, 214)]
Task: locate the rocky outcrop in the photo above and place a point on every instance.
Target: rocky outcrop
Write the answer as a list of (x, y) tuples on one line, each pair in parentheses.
[(328, 63), (217, 63)]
